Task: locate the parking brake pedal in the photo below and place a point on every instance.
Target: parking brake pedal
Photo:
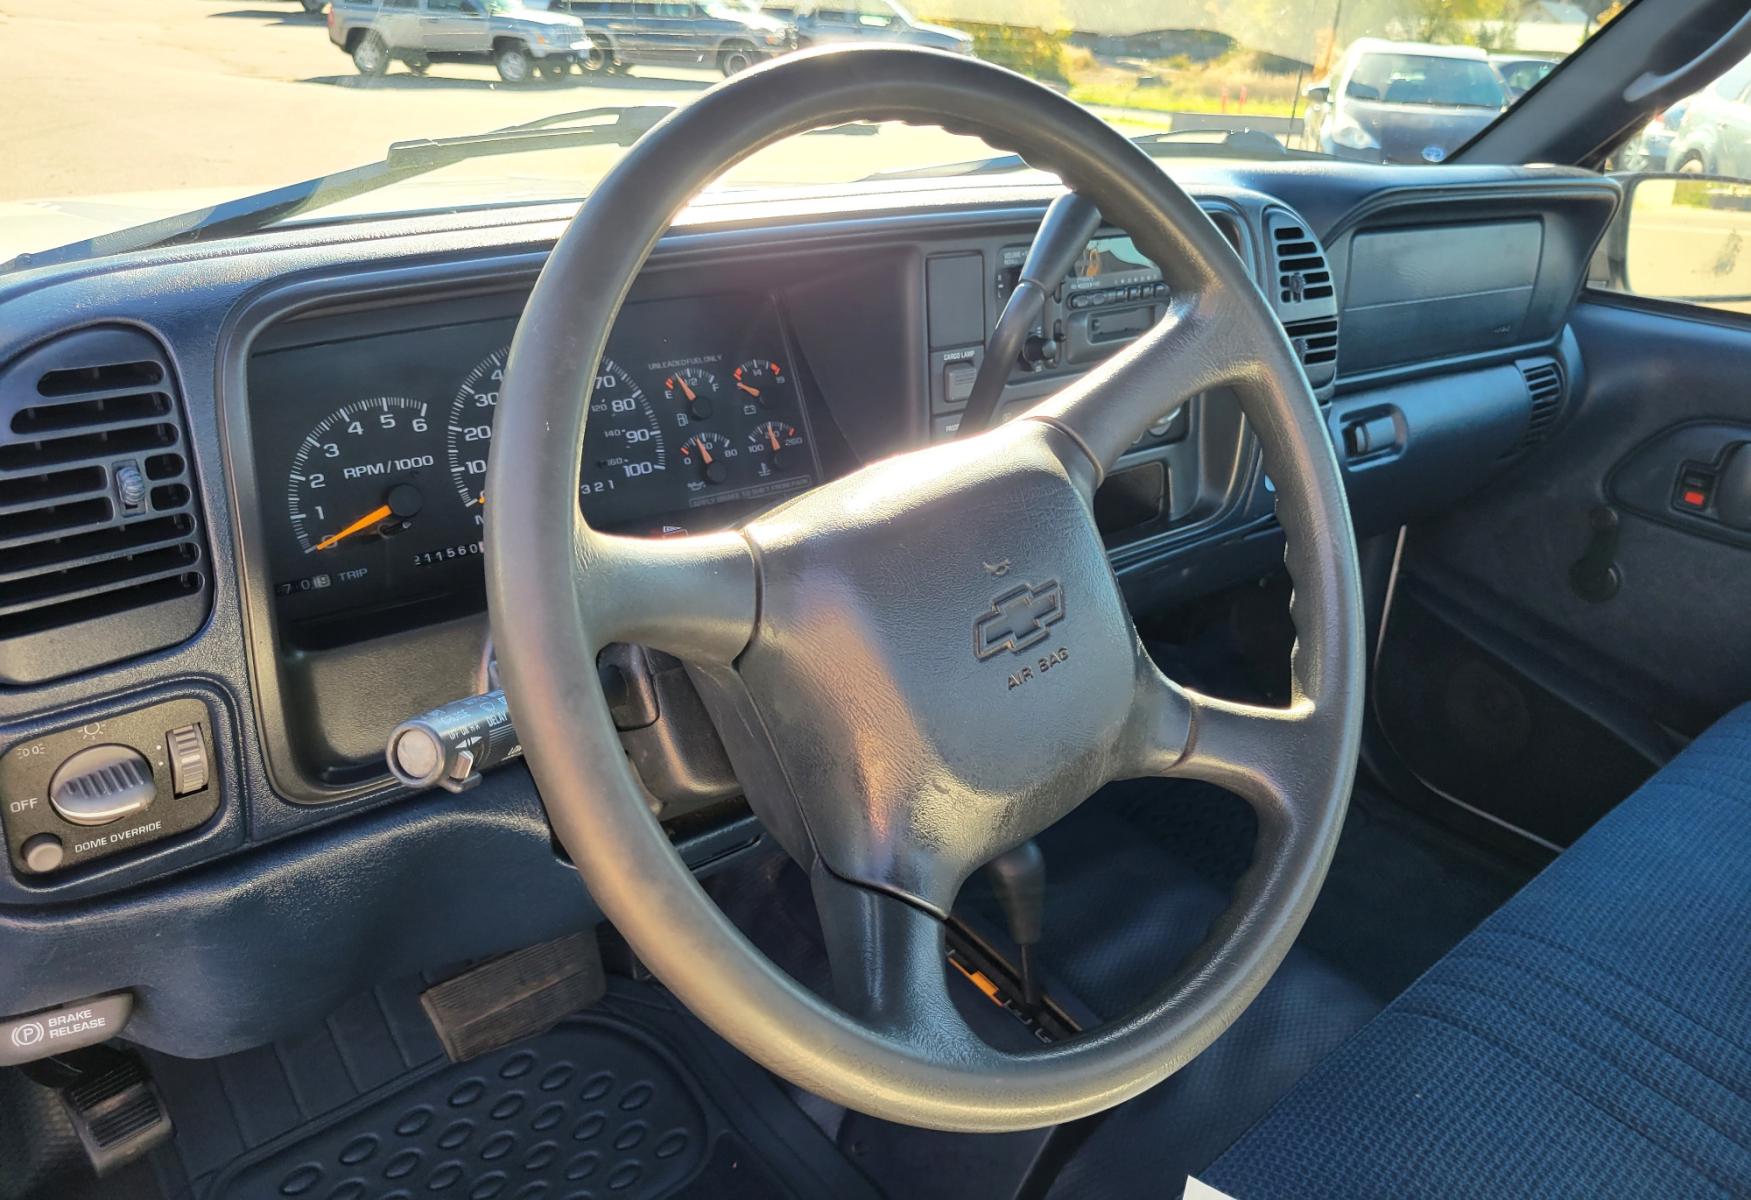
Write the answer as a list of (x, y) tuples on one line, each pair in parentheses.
[(113, 1105)]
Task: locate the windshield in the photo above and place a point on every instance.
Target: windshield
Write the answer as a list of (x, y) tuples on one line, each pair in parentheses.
[(191, 110)]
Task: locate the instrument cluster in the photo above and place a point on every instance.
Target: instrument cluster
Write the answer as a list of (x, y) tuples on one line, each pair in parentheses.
[(373, 451)]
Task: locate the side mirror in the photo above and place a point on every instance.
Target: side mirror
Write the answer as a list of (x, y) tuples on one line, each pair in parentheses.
[(1687, 237), (1319, 93), (470, 8)]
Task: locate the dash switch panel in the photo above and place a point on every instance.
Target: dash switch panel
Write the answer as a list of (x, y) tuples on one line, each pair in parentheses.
[(107, 787)]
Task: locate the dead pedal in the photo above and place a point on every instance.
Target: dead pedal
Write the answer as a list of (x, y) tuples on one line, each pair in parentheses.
[(516, 995)]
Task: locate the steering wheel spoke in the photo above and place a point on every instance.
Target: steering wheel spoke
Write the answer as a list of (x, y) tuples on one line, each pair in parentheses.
[(1257, 751), (889, 960), (693, 597), (1195, 347)]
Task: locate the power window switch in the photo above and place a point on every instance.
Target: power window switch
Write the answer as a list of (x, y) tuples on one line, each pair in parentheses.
[(190, 768), (1694, 492)]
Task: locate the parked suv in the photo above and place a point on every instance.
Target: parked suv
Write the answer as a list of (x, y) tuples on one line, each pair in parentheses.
[(518, 38), (861, 21), (627, 33)]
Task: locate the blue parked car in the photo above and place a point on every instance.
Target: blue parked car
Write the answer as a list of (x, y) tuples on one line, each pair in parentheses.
[(1403, 102)]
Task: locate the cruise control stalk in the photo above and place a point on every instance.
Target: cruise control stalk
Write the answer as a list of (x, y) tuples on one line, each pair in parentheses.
[(450, 746)]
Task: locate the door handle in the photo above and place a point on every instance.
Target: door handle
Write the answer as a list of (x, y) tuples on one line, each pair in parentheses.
[(1733, 487)]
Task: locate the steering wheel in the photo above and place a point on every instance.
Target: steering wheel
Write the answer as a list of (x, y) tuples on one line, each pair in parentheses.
[(923, 664)]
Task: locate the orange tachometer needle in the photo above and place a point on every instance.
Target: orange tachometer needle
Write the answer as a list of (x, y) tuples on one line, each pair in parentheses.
[(685, 390), (752, 391), (381, 513)]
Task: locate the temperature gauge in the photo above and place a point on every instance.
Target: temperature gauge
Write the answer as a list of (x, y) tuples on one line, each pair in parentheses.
[(776, 446)]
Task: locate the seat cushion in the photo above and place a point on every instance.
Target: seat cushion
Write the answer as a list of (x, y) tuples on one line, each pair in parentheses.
[(1593, 1037)]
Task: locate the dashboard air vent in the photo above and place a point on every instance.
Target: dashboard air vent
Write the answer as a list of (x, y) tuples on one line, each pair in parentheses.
[(101, 552), (1298, 263), (1297, 279), (1316, 342), (1544, 383)]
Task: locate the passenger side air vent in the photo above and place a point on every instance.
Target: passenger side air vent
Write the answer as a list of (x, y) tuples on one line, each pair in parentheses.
[(1544, 383), (1297, 280), (1316, 343), (101, 552)]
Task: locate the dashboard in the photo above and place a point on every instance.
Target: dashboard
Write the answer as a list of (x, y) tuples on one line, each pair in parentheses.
[(304, 422), (372, 451)]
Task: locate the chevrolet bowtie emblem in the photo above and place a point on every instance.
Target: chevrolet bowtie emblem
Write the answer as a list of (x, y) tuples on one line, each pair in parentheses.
[(1017, 619)]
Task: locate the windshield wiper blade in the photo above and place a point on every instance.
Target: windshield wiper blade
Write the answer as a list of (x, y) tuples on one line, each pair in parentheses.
[(404, 160)]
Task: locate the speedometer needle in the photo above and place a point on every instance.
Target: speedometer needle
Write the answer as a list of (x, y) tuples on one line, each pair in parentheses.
[(381, 513)]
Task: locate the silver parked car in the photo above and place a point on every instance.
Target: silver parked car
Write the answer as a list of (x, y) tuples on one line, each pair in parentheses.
[(628, 33), (519, 38), (833, 22)]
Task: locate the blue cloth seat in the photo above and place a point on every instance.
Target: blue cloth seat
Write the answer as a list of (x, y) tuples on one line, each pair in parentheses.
[(1592, 1038)]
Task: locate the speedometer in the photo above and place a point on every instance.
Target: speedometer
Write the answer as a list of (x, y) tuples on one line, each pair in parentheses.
[(624, 454), (623, 441)]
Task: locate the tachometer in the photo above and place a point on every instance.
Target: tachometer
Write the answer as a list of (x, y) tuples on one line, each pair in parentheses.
[(360, 474), (623, 440)]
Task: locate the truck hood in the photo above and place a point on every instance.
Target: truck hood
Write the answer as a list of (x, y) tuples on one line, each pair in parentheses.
[(748, 18), (943, 37), (1411, 133), (535, 16)]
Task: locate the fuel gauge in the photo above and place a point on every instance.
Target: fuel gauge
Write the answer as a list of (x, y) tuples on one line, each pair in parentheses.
[(694, 388)]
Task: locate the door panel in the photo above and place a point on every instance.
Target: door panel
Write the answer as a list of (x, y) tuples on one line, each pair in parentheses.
[(1512, 669), (447, 29)]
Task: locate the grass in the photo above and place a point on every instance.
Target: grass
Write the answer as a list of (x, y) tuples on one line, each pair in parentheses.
[(1172, 99)]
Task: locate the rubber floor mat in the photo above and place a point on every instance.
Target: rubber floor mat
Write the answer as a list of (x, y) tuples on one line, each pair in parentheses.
[(633, 1098)]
